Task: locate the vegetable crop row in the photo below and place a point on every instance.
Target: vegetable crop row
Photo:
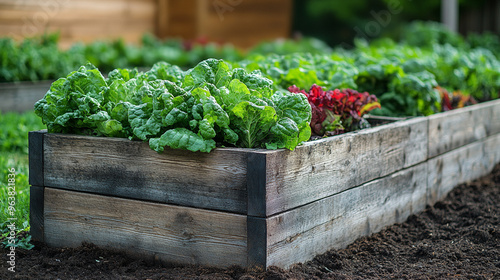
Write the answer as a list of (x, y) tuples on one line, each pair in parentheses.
[(272, 101), (39, 58), (406, 79), (196, 109)]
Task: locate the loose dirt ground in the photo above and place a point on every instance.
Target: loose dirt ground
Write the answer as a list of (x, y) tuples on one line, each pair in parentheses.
[(458, 238)]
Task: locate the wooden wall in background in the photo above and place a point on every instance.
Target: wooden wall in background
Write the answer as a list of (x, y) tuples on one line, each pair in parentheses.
[(78, 20), (241, 22)]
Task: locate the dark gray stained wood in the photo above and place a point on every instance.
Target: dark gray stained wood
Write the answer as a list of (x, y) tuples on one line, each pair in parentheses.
[(256, 241), (170, 233), (336, 221), (35, 143), (462, 165), (454, 129), (21, 97), (256, 184), (36, 213), (334, 164), (130, 169)]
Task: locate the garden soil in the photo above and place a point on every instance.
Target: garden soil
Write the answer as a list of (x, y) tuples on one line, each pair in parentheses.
[(457, 238)]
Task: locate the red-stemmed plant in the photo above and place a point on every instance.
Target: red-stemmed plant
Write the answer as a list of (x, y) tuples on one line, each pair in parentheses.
[(337, 111)]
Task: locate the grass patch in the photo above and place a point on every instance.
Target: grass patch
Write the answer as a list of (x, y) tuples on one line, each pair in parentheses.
[(14, 128)]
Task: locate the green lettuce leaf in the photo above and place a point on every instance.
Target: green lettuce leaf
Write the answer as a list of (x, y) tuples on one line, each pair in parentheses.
[(182, 138)]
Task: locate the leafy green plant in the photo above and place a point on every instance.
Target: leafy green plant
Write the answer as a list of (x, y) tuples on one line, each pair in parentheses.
[(40, 58), (304, 69), (289, 46), (166, 106), (22, 236), (35, 59)]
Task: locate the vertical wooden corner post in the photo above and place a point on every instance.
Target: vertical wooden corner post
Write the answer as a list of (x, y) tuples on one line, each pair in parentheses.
[(37, 184), (256, 214)]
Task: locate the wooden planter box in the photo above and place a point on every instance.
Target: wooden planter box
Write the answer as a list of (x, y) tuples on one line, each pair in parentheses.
[(22, 96), (250, 206)]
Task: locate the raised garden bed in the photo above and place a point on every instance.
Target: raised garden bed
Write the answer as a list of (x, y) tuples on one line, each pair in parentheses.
[(22, 96), (249, 206)]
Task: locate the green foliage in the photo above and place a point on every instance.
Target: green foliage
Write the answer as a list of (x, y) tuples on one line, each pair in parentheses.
[(22, 236), (283, 47), (403, 76), (14, 130), (39, 58), (304, 70), (35, 59), (427, 34), (19, 162), (339, 22), (208, 104), (487, 40)]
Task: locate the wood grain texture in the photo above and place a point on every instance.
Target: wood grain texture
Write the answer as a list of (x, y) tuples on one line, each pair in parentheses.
[(78, 20), (21, 97), (454, 129), (171, 233), (461, 165), (36, 153), (130, 169), (336, 221), (328, 166), (37, 218), (242, 23)]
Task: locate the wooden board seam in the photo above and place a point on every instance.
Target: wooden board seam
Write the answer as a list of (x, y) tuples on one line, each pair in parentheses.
[(143, 200), (348, 189)]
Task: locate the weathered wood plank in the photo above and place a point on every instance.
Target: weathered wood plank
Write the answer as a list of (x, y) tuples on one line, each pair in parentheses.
[(456, 128), (35, 144), (492, 150), (461, 165), (21, 97), (130, 169), (324, 167), (336, 221), (171, 233), (37, 218)]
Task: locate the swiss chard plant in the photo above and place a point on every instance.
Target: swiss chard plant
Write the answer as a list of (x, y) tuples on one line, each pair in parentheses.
[(335, 111), (454, 100)]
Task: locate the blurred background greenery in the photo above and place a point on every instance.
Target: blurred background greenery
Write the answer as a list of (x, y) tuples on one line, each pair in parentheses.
[(340, 21)]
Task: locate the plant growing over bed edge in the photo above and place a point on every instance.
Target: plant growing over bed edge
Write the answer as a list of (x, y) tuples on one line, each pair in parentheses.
[(193, 109), (335, 111)]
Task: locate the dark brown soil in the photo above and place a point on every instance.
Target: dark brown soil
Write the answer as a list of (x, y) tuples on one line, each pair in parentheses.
[(458, 238)]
